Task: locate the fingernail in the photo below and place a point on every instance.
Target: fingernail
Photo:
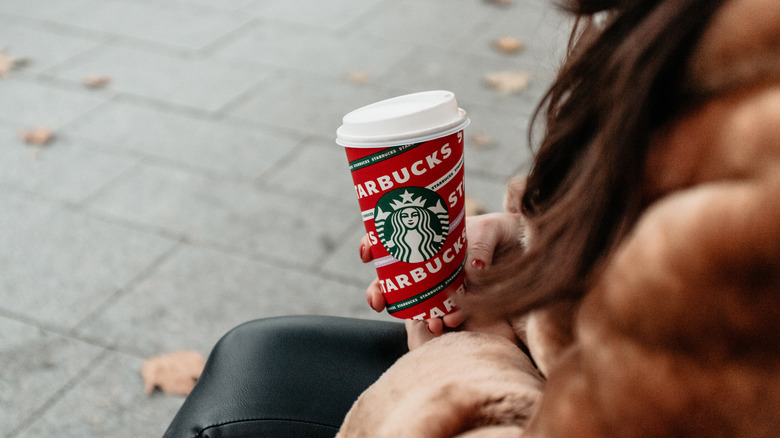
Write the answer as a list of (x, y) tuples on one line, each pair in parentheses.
[(429, 329), (477, 264), (371, 302), (362, 248)]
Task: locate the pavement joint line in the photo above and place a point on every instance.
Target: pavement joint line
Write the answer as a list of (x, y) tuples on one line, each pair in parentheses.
[(114, 182), (40, 198), (42, 79), (56, 28), (130, 225), (39, 413), (164, 105), (59, 331), (247, 94), (196, 241), (143, 275), (268, 174), (343, 239), (209, 48), (163, 47), (108, 42)]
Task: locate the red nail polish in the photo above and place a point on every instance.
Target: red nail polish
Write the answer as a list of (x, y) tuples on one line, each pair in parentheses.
[(477, 264), (362, 248)]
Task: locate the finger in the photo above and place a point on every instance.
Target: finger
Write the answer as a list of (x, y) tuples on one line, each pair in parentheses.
[(365, 249), (417, 333), (435, 326), (376, 300), (454, 319), (484, 234)]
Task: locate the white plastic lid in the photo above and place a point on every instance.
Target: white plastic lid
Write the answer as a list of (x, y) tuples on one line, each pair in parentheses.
[(411, 118)]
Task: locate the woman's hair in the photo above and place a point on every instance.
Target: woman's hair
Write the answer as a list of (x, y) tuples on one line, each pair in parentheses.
[(427, 248), (621, 81)]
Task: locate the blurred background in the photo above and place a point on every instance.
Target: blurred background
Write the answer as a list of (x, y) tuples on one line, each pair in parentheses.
[(168, 171)]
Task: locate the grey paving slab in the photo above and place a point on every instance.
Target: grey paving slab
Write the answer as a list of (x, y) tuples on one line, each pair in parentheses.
[(36, 365), (195, 82), (199, 294), (64, 169), (291, 227), (307, 103), (331, 15), (231, 5), (489, 192), (542, 27), (320, 167), (59, 266), (307, 48), (496, 141), (108, 402), (344, 261), (221, 147), (464, 74), (428, 22), (41, 46), (32, 104), (39, 8), (190, 26)]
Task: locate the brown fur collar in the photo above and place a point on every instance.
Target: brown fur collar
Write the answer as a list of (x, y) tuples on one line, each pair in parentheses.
[(740, 46)]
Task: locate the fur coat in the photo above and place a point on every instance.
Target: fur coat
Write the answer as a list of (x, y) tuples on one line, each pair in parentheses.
[(680, 333)]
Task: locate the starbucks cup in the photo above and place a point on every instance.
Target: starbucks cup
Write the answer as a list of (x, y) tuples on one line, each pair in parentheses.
[(406, 159)]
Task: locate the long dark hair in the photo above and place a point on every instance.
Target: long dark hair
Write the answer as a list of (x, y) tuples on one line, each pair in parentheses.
[(620, 82)]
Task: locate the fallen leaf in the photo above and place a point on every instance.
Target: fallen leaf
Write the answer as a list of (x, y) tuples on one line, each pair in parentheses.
[(481, 140), (174, 373), (39, 136), (508, 45), (96, 81), (358, 77), (474, 207), (6, 64), (508, 82)]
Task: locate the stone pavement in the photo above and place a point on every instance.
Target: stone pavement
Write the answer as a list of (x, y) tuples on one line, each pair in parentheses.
[(202, 187)]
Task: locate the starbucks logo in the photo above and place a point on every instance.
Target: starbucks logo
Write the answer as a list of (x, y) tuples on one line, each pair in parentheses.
[(412, 223)]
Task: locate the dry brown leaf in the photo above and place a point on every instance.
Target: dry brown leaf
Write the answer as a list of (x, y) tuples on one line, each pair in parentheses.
[(6, 64), (39, 136), (508, 45), (481, 140), (174, 373), (474, 207), (358, 77), (96, 81), (508, 82)]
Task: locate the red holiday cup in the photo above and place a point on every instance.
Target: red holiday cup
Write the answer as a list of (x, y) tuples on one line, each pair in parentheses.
[(406, 159)]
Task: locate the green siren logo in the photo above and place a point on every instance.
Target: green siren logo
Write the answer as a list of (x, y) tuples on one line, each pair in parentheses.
[(412, 223)]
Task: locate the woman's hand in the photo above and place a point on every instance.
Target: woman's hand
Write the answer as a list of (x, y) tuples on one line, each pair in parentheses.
[(376, 300), (487, 236), (490, 236)]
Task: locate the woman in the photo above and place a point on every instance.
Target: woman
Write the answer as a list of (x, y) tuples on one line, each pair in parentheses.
[(648, 287)]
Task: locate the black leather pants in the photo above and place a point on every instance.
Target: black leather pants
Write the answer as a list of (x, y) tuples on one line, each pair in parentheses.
[(287, 377)]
